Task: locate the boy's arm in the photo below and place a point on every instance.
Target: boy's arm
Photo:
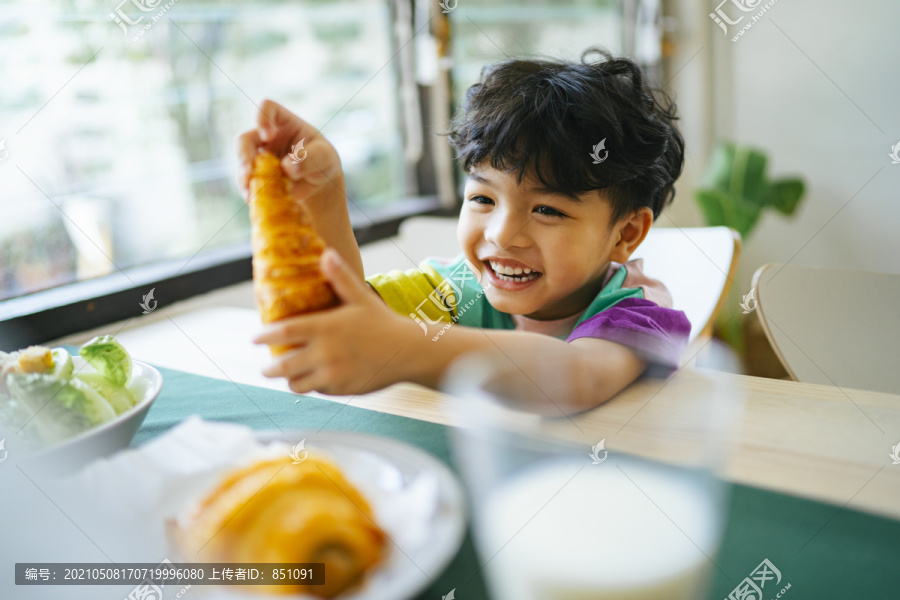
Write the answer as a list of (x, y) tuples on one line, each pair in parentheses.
[(539, 373), (318, 179), (330, 217), (363, 345)]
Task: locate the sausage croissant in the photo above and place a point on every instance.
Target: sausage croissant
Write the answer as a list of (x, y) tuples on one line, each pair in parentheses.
[(276, 511), (286, 249)]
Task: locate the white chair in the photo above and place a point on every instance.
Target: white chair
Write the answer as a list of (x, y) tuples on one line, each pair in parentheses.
[(697, 265), (831, 326)]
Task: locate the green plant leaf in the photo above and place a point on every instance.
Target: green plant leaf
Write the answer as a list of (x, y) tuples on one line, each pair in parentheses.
[(734, 189), (737, 171), (718, 169), (746, 216), (748, 176), (720, 208), (712, 205), (785, 194)]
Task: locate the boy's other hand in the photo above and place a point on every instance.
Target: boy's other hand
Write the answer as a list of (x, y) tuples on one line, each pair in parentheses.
[(350, 349), (279, 131)]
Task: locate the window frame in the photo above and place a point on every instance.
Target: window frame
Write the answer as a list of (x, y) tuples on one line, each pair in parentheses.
[(80, 306)]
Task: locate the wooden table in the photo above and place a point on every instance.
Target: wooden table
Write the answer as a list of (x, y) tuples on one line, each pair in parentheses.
[(808, 440), (814, 441)]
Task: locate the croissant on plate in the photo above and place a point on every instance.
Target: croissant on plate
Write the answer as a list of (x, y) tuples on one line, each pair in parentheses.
[(276, 511), (286, 249)]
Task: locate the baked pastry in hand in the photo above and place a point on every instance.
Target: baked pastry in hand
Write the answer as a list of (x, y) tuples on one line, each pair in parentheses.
[(276, 511), (286, 249)]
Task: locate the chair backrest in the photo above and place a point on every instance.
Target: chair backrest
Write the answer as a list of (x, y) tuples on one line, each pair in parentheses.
[(696, 264), (831, 326)]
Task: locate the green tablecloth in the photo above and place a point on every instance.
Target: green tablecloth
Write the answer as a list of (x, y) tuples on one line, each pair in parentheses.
[(823, 551)]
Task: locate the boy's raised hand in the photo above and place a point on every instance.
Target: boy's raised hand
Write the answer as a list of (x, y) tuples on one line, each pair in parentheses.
[(318, 180), (350, 349), (279, 131)]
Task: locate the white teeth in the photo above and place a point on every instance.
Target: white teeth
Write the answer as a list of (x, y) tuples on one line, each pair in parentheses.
[(507, 270), (517, 274), (518, 279)]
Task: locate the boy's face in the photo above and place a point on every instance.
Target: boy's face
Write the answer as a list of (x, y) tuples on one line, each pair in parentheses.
[(540, 253)]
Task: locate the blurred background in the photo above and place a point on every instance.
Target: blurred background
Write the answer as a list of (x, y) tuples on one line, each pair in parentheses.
[(117, 139), (137, 149)]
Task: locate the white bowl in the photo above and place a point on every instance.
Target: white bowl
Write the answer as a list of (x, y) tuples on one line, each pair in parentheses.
[(103, 440)]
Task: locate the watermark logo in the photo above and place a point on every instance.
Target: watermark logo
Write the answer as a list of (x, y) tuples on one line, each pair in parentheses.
[(749, 303), (895, 455), (450, 596), (151, 589), (448, 7), (4, 453), (145, 304), (295, 149), (721, 18), (751, 588), (147, 590), (734, 16), (447, 297), (296, 450), (4, 153), (121, 18), (145, 6), (895, 153), (601, 145), (595, 452)]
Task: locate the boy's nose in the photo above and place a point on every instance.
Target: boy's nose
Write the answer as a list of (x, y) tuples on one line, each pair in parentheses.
[(506, 230)]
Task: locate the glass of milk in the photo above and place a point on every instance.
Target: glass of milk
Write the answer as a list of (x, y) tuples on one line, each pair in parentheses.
[(635, 512)]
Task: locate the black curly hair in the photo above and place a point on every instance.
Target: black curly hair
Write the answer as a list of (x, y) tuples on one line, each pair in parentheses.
[(544, 117)]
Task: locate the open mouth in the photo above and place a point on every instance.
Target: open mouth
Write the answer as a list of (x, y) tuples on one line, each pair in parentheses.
[(513, 274)]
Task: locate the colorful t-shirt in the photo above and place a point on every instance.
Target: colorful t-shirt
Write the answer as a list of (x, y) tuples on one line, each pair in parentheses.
[(631, 309)]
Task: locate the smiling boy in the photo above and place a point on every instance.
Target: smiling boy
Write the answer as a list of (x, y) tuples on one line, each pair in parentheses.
[(549, 220)]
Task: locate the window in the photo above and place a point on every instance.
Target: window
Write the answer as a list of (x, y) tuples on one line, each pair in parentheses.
[(117, 126), (119, 137), (486, 31)]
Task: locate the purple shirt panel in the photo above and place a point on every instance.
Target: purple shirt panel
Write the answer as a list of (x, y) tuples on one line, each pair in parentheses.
[(656, 334)]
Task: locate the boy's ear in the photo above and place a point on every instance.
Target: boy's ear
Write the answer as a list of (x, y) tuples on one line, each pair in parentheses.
[(629, 233)]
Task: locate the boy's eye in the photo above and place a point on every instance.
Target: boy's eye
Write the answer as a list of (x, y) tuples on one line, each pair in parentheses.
[(481, 200), (548, 211)]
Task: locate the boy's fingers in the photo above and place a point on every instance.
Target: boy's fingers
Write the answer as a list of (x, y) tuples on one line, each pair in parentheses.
[(303, 383), (271, 118), (290, 364), (279, 127), (346, 283), (292, 330), (313, 162), (295, 165)]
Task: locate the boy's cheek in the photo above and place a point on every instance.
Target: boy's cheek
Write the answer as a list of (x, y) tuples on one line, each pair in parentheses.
[(467, 231)]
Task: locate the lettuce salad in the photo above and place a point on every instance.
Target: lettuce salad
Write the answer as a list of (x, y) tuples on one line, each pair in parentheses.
[(40, 390)]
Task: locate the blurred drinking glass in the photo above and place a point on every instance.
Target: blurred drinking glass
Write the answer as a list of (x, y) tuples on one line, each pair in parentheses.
[(603, 505)]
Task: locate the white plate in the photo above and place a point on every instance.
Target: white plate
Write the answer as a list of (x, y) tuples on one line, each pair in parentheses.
[(385, 469)]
